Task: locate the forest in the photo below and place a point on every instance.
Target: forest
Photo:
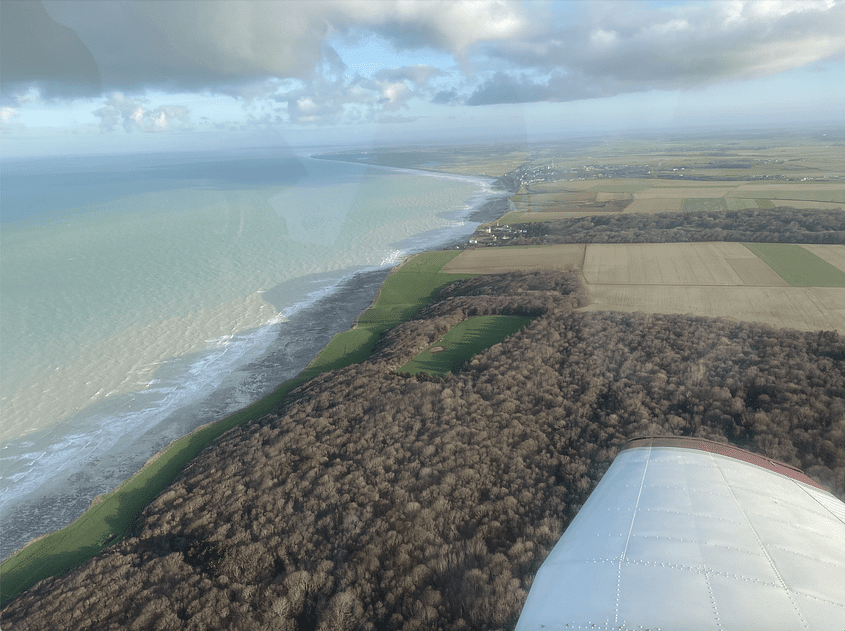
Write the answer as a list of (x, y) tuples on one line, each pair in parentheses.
[(775, 225), (374, 500)]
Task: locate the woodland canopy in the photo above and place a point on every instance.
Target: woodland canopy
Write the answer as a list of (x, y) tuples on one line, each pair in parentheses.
[(374, 500), (776, 225)]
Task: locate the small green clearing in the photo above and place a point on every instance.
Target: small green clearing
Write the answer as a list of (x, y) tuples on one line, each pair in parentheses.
[(462, 342), (765, 203), (798, 266), (704, 204), (408, 289)]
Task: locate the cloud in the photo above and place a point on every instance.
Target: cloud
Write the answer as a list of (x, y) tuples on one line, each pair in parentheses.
[(444, 97), (324, 101), (420, 74), (278, 54), (131, 114), (397, 86), (394, 120), (503, 88), (447, 24), (37, 53), (7, 114), (620, 47), (219, 45)]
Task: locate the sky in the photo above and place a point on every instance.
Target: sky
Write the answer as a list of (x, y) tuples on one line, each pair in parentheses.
[(104, 76)]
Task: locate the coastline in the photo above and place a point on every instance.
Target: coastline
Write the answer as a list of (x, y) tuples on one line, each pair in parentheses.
[(306, 333)]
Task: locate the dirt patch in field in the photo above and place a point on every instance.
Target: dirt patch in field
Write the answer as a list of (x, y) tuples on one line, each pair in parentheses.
[(437, 349)]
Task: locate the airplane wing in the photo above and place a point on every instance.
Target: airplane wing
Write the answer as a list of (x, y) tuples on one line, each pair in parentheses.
[(691, 534)]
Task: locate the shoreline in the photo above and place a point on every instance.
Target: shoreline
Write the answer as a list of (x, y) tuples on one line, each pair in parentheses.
[(303, 338)]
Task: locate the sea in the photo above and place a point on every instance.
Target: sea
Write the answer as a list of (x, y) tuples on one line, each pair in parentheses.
[(144, 296)]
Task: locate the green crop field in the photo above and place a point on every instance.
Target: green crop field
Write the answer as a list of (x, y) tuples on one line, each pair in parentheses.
[(741, 203), (462, 342), (699, 204), (797, 266), (404, 292)]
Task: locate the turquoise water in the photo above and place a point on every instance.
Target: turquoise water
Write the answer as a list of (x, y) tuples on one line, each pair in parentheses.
[(130, 289)]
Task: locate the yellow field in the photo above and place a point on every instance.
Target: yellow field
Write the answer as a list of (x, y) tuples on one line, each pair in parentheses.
[(833, 254), (802, 308), (690, 264), (498, 260)]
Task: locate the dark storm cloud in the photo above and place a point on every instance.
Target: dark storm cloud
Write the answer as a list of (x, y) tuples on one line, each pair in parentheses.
[(504, 88), (507, 52), (221, 46), (36, 51), (445, 97)]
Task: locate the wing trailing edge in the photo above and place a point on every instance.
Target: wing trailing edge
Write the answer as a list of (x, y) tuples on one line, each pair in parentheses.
[(691, 534)]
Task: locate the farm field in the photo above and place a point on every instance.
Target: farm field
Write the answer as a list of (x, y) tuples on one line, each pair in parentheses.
[(547, 201), (693, 264), (793, 203), (802, 308), (832, 192), (498, 260), (462, 342), (833, 254), (799, 266), (652, 205), (546, 215), (715, 279), (675, 192), (712, 279)]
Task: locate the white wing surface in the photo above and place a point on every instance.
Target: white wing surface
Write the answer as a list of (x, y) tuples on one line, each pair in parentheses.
[(688, 534)]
